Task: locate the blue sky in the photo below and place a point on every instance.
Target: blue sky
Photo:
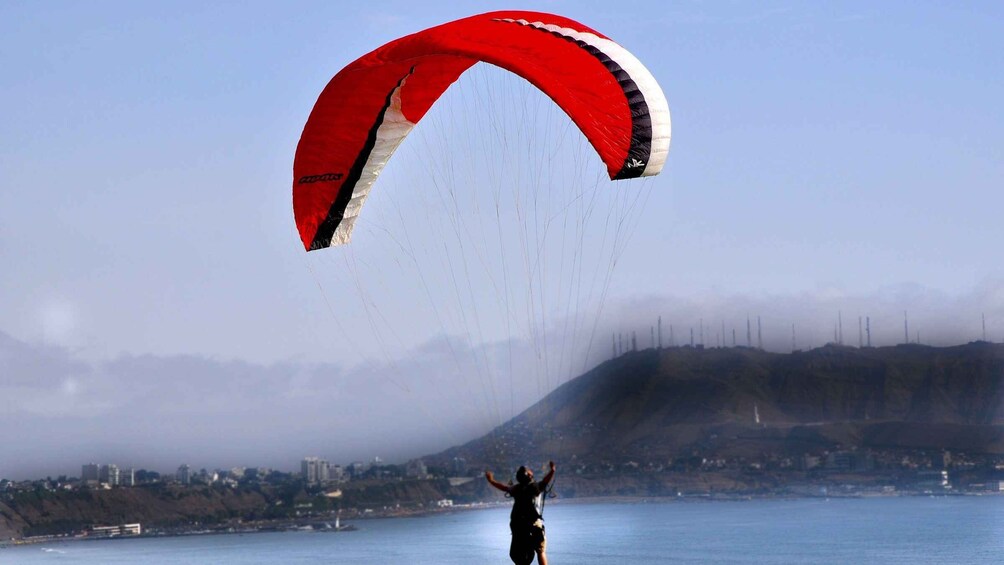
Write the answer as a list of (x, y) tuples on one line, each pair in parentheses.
[(147, 149), (840, 157)]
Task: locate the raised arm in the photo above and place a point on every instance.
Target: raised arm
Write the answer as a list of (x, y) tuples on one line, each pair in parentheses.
[(550, 475), (494, 483)]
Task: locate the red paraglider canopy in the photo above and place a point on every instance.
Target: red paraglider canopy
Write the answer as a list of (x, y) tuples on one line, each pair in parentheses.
[(371, 105)]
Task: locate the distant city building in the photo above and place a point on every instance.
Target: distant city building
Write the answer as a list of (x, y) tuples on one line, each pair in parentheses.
[(933, 479), (185, 475), (109, 474), (127, 477), (89, 473), (114, 531), (336, 473), (205, 477), (315, 470)]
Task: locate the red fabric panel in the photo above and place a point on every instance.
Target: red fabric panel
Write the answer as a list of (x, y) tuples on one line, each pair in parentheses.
[(347, 109)]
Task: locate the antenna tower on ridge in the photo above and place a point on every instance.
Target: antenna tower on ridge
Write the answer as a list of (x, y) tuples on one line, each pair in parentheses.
[(840, 325)]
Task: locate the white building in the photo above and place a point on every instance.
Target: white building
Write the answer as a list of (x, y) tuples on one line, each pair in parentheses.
[(315, 470), (113, 531), (109, 474)]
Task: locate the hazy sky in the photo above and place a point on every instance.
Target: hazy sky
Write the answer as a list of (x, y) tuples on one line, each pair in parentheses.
[(840, 158)]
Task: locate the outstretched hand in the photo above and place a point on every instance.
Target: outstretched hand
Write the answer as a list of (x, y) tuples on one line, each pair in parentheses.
[(489, 475), (550, 465)]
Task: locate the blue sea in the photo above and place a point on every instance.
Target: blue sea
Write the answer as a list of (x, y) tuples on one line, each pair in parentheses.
[(947, 530)]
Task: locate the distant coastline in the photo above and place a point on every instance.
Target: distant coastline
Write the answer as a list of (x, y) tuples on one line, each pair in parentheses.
[(318, 526)]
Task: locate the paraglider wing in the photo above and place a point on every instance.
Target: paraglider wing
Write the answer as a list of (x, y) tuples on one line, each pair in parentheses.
[(371, 105)]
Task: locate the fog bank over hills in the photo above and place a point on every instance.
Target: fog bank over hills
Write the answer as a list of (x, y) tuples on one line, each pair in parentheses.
[(58, 411), (938, 317), (60, 407)]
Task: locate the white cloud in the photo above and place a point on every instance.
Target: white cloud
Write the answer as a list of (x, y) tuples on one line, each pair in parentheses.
[(59, 320), (70, 387)]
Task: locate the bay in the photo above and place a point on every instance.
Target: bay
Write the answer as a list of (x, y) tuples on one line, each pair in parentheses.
[(869, 530)]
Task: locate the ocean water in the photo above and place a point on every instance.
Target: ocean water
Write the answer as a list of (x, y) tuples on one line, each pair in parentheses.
[(945, 530)]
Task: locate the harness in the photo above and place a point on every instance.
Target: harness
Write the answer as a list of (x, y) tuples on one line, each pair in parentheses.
[(547, 493)]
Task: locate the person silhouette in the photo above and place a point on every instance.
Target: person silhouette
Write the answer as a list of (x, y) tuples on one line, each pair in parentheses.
[(525, 522)]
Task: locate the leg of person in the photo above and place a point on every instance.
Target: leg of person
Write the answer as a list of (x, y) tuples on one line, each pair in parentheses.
[(540, 541)]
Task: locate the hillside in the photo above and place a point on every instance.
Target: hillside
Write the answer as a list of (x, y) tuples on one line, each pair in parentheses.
[(656, 405)]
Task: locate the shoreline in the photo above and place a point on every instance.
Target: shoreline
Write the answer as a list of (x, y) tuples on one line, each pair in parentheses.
[(302, 525)]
